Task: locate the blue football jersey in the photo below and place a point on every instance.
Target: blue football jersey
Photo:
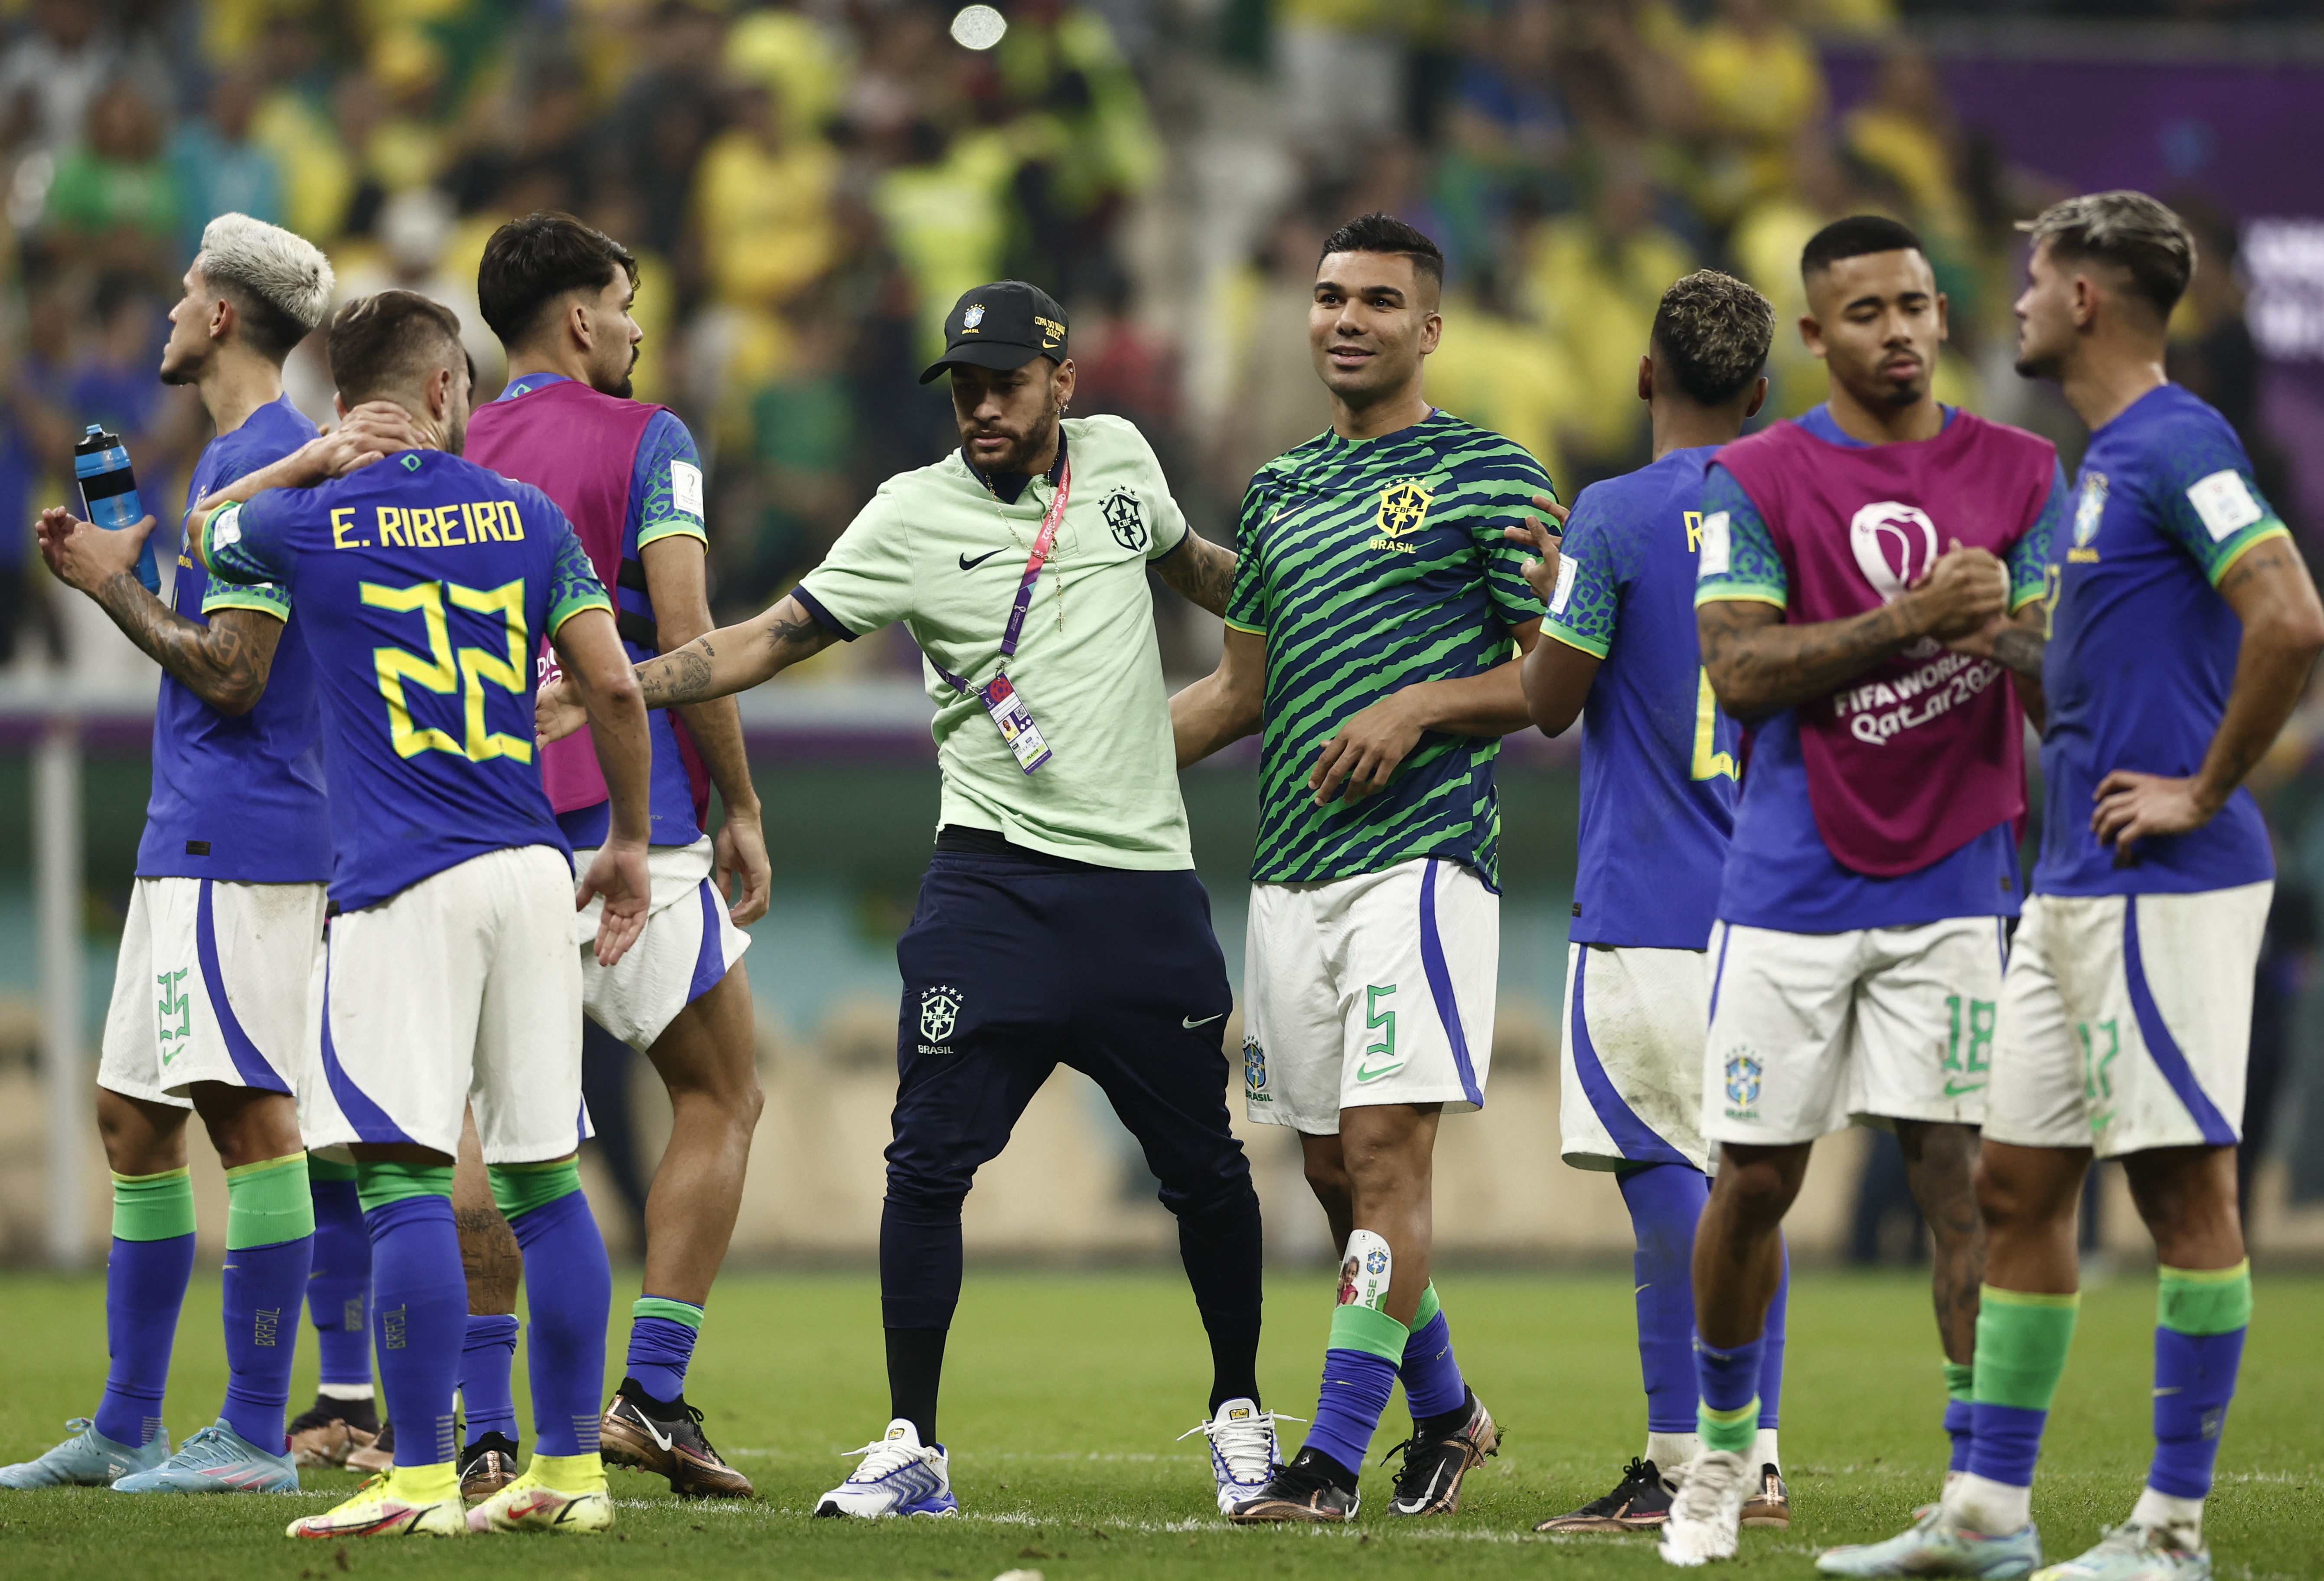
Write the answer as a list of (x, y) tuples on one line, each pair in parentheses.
[(2142, 647), (239, 797), (1658, 757), (427, 584)]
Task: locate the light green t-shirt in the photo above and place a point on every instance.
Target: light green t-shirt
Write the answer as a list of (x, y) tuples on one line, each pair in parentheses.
[(938, 550)]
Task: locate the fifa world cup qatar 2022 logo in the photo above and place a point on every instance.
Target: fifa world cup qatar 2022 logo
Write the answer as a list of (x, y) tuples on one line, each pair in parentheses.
[(1895, 545)]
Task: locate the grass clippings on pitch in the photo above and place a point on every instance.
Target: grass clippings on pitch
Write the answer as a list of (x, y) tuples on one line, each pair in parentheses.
[(1066, 1394)]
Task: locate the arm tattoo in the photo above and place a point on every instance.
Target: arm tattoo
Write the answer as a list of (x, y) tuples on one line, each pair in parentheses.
[(682, 677), (805, 633), (1758, 665), (1200, 571), (214, 661), (2020, 652)]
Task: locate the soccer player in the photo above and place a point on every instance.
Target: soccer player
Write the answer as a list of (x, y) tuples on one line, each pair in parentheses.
[(1659, 765), (1375, 605), (210, 998), (2180, 627), (451, 983), (1864, 908), (1060, 920), (626, 475)]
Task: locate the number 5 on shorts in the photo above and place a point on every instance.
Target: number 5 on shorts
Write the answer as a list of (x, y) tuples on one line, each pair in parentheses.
[(1384, 1023)]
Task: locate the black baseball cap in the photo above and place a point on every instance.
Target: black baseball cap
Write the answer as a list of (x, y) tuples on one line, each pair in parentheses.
[(1004, 325)]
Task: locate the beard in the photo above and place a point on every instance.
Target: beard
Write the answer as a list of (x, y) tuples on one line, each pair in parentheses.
[(1018, 457), (182, 371), (2036, 364)]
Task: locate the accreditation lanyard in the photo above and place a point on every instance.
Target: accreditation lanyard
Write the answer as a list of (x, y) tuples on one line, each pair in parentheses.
[(1002, 699)]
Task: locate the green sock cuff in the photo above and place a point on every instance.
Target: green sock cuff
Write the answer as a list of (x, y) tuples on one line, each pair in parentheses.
[(1357, 1328), (684, 1312), (1425, 1313), (268, 1203), (1730, 1431), (2022, 1340), (323, 1168), (1961, 1381), (2209, 1301), (379, 1184), (519, 1189), (153, 1208)]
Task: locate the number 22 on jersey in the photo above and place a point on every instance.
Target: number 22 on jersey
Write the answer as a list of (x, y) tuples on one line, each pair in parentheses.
[(443, 671)]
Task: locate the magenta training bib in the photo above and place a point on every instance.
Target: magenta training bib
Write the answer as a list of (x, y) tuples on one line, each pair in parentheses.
[(1925, 751)]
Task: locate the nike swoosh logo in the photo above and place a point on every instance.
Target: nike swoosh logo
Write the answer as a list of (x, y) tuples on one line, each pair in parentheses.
[(967, 564), (1954, 1089), (2174, 1388), (657, 1436), (1642, 1289), (1190, 1024), (1362, 1074)]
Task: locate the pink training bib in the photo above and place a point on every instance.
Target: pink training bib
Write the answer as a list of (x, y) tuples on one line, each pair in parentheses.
[(1925, 751)]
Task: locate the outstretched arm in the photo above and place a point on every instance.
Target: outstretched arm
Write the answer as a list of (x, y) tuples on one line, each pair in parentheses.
[(1557, 675), (2283, 632), (1226, 704), (1759, 666), (727, 660), (374, 429), (1199, 571), (225, 663)]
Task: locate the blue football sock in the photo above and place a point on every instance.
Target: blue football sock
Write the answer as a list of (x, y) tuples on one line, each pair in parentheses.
[(339, 1284), (1961, 1412), (1664, 1201), (662, 1332), (487, 1401), (1356, 1388), (270, 1242), (1771, 1345), (419, 1304), (2198, 1345), (145, 1276), (1727, 1418), (569, 1288), (1432, 1384)]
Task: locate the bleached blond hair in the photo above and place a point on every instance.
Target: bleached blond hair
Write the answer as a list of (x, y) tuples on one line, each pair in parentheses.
[(282, 282), (2131, 231)]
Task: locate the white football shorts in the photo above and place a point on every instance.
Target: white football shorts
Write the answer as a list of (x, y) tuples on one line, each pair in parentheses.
[(462, 991), (1810, 1031), (1372, 989), (1630, 1070), (2125, 1021), (688, 944), (213, 985)]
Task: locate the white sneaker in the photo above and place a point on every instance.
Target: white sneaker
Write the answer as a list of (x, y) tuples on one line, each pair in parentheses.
[(899, 1476), (1244, 1456), (1708, 1512)]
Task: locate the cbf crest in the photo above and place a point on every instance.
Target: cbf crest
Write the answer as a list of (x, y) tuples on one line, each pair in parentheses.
[(939, 1012), (1403, 512), (1254, 1071), (1743, 1073), (2089, 510), (973, 317), (1125, 518)]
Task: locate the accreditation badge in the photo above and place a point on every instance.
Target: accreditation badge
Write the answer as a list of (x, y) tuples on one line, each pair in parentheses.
[(1015, 721)]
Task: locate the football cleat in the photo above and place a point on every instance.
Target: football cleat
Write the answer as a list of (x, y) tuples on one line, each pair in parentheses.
[(1640, 1501), (408, 1501), (2130, 1552), (1933, 1547), (486, 1466), (88, 1459), (1708, 1511), (322, 1434), (216, 1460), (530, 1504), (1308, 1489), (1771, 1503), (639, 1431), (378, 1456), (1243, 1451), (1429, 1481), (899, 1475)]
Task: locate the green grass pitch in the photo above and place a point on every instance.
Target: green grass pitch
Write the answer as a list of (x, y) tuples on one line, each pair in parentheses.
[(1064, 1395)]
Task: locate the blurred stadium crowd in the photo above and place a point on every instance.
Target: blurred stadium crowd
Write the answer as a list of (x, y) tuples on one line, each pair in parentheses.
[(808, 184)]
